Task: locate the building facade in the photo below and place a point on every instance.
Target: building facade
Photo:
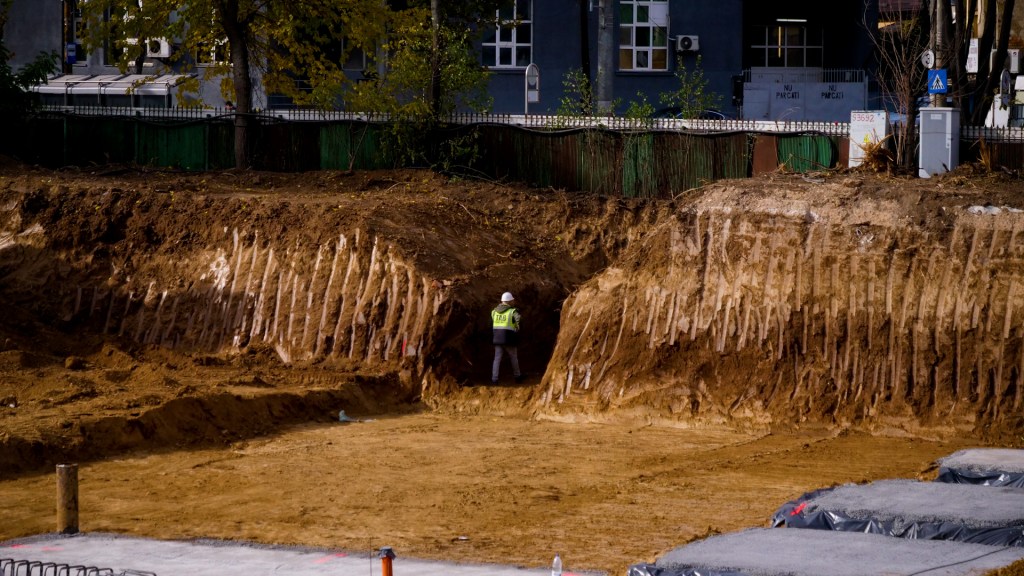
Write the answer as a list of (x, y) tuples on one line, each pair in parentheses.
[(794, 60)]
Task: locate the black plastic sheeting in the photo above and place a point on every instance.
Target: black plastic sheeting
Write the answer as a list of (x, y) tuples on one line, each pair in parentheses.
[(990, 478), (654, 570), (800, 513)]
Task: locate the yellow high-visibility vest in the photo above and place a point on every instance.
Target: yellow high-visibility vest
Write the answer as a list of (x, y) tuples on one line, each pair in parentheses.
[(504, 320)]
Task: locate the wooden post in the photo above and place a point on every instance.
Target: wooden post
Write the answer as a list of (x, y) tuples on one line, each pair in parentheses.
[(67, 498)]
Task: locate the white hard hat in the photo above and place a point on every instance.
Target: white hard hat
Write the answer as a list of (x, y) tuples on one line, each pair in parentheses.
[(507, 297)]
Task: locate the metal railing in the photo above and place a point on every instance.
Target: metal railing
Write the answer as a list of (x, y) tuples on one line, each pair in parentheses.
[(1001, 134), (532, 121), (14, 567), (817, 75)]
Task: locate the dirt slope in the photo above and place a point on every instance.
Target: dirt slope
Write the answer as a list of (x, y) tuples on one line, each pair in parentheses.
[(843, 300), (136, 297), (132, 294)]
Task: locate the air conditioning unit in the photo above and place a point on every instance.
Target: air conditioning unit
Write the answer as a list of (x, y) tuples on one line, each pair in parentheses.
[(687, 43), (158, 48)]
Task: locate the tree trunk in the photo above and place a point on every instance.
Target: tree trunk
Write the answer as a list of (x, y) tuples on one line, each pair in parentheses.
[(961, 40), (585, 40), (242, 80), (435, 58), (1001, 44), (605, 63), (980, 99), (940, 23), (140, 60)]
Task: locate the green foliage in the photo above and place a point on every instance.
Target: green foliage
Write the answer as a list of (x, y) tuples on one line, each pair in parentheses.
[(640, 111), (313, 45), (578, 99), (297, 48), (577, 95), (122, 28), (692, 95), (404, 90), (404, 93)]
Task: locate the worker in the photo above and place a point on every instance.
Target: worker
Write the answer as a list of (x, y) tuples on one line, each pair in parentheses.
[(505, 320)]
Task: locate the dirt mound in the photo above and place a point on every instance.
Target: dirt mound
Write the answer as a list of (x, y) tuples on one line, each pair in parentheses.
[(845, 300), (132, 289), (138, 299)]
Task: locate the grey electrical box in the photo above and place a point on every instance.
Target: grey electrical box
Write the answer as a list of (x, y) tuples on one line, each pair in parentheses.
[(940, 141)]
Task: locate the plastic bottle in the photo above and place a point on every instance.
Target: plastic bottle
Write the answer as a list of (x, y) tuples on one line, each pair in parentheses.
[(556, 566)]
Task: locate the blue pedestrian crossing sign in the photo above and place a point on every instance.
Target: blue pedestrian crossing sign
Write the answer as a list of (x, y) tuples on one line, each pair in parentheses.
[(937, 83)]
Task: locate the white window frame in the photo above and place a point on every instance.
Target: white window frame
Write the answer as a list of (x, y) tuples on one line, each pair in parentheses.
[(643, 36), (508, 38)]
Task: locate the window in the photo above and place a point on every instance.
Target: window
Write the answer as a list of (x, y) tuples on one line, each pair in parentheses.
[(788, 45), (510, 43), (355, 58), (212, 53), (80, 26), (643, 35)]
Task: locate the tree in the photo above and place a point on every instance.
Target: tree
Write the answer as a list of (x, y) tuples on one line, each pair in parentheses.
[(124, 29), (692, 95), (241, 43), (899, 43), (296, 47), (992, 26), (452, 21), (410, 87), (578, 100)]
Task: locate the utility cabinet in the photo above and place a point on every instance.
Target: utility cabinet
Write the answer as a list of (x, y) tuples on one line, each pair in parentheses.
[(940, 141)]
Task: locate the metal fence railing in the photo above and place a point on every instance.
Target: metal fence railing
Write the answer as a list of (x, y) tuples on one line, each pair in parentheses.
[(1001, 134), (15, 567)]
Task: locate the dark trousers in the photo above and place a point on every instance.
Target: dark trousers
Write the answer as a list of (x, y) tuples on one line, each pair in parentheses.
[(513, 355)]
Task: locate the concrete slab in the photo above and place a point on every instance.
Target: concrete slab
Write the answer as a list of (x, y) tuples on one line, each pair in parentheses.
[(779, 551), (985, 466), (905, 501), (216, 558), (991, 515)]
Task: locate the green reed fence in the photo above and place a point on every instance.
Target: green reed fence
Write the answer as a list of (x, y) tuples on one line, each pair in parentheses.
[(630, 163)]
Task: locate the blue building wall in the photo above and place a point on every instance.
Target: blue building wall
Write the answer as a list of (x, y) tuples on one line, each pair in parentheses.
[(724, 28), (557, 50)]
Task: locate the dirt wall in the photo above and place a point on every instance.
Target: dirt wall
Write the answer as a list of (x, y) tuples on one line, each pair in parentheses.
[(847, 300), (806, 307)]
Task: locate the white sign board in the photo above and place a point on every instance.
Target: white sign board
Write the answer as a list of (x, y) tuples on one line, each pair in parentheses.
[(867, 128), (532, 86), (972, 57)]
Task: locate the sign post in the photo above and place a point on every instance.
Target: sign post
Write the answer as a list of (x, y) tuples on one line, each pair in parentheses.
[(532, 86)]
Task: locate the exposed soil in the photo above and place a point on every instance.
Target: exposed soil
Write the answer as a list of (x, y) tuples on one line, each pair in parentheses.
[(691, 363)]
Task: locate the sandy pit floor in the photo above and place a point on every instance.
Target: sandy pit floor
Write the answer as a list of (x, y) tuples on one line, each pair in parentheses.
[(471, 488)]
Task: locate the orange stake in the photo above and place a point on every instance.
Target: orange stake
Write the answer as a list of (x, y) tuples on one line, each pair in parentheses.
[(386, 556)]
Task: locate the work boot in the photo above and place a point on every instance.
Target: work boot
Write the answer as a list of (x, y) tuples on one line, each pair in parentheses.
[(520, 378)]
